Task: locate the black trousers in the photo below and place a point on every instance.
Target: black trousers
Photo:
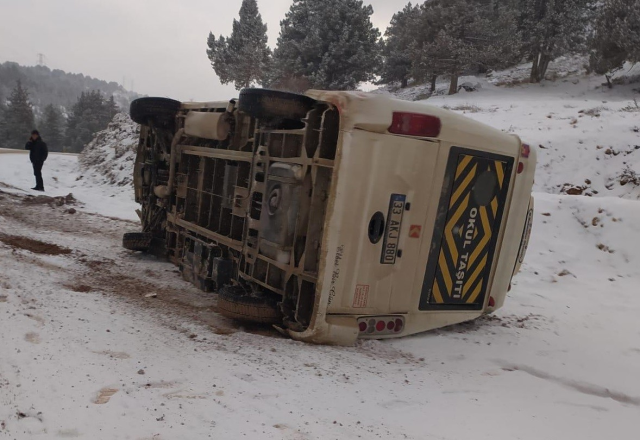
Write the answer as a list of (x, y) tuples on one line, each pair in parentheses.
[(37, 171)]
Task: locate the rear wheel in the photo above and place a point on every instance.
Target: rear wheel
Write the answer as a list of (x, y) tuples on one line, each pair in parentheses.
[(274, 104), (137, 241), (236, 302), (161, 112)]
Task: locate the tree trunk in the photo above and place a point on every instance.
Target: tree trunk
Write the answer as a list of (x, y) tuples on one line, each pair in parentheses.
[(535, 77), (404, 83), (609, 81), (433, 83), (453, 86), (542, 67)]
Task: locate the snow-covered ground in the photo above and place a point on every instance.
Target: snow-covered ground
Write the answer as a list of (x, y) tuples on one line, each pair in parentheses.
[(63, 175), (84, 354)]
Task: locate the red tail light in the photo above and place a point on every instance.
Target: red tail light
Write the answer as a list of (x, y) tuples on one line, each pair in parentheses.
[(415, 124), (380, 325), (525, 150), (520, 167)]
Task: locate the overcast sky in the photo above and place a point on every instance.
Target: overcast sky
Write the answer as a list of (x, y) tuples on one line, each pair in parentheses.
[(159, 45)]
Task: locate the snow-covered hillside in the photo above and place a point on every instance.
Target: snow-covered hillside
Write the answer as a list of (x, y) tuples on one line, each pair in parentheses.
[(588, 136), (108, 158)]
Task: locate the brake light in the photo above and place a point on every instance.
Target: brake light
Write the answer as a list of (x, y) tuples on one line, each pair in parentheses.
[(520, 167), (415, 124), (525, 150), (380, 325)]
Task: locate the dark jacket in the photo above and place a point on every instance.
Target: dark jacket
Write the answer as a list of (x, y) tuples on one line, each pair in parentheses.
[(38, 151)]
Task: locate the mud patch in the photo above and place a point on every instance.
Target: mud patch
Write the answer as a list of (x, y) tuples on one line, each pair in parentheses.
[(53, 201), (80, 288), (35, 246), (32, 337), (104, 395)]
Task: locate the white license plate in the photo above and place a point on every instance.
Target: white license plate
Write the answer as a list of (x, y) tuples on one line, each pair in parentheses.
[(392, 229)]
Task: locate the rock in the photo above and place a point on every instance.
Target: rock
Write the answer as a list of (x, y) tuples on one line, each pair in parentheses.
[(140, 371), (470, 87)]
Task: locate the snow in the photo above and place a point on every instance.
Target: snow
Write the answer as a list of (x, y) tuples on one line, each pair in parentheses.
[(587, 135), (63, 175), (108, 159), (84, 354)]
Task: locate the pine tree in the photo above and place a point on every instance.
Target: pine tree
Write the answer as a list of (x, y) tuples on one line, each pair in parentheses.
[(18, 118), (552, 28), (52, 128), (90, 114), (330, 44), (2, 122), (461, 34), (397, 47), (616, 37), (110, 110), (244, 57)]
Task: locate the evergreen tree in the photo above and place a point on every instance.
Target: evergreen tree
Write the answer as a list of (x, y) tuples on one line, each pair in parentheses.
[(397, 47), (330, 44), (89, 115), (616, 37), (552, 28), (110, 109), (2, 121), (52, 128), (244, 57), (464, 34), (18, 118)]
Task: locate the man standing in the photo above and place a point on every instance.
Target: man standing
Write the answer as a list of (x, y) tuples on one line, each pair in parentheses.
[(38, 153)]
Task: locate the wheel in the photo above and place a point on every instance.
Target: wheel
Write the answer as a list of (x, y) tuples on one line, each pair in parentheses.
[(274, 104), (237, 303), (137, 241), (161, 111)]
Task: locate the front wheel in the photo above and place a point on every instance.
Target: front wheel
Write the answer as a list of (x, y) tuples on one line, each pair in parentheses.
[(161, 112)]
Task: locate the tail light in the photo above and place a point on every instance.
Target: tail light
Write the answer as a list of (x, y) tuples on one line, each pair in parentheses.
[(415, 124), (380, 325), (525, 151)]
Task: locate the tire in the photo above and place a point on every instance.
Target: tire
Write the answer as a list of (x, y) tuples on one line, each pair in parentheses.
[(235, 302), (274, 104), (160, 111), (137, 241)]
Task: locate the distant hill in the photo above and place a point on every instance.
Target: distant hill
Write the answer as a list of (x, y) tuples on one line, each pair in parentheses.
[(62, 89)]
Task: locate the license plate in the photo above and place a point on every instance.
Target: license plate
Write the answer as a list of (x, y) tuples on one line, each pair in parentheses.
[(392, 229)]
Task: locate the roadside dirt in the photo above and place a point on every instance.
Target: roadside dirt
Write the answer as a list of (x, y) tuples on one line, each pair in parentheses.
[(95, 263), (35, 246)]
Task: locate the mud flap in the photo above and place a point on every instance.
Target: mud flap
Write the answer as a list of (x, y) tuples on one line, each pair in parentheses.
[(467, 226)]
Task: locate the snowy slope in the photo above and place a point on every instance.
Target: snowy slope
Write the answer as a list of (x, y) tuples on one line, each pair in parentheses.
[(588, 136), (108, 158)]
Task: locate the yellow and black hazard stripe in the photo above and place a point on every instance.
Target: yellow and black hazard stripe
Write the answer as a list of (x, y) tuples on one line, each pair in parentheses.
[(464, 240)]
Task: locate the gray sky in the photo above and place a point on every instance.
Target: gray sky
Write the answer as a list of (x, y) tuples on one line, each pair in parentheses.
[(158, 44)]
